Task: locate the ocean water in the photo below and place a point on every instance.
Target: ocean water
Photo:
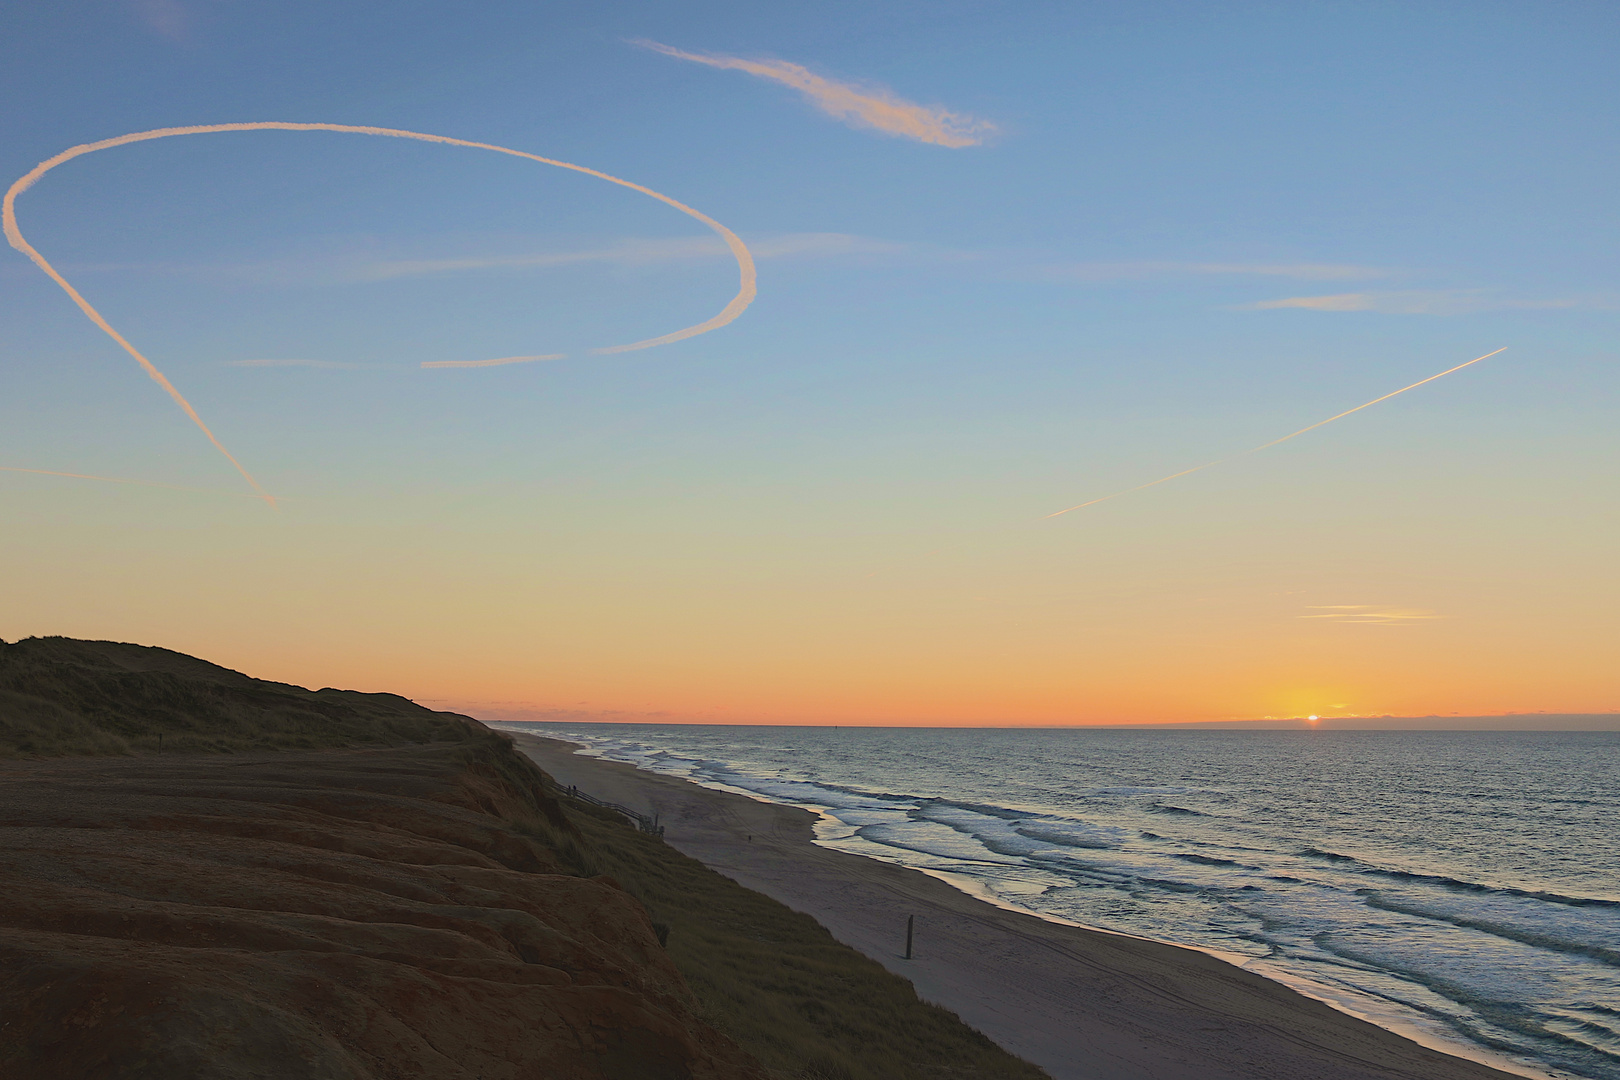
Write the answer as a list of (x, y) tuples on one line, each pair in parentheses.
[(1460, 886)]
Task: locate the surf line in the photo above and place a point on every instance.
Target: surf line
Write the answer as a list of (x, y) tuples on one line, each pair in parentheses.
[(745, 261), (1273, 442)]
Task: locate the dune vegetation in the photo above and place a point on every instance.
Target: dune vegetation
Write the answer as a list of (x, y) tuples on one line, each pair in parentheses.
[(61, 696), (775, 980), (424, 804)]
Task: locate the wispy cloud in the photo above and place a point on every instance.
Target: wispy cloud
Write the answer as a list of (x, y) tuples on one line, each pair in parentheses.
[(632, 253), (351, 267), (1139, 270), (1422, 302), (165, 17), (289, 363), (499, 361), (858, 105), (1369, 614)]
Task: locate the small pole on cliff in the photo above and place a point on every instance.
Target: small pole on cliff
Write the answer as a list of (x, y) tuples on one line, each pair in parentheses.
[(910, 920)]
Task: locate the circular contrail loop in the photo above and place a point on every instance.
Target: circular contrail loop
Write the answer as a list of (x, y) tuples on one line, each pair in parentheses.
[(745, 261)]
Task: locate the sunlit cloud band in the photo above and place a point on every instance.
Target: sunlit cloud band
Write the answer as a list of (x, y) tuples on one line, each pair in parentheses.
[(868, 106)]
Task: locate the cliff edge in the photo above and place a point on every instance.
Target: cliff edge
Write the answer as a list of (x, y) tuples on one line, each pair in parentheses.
[(206, 876)]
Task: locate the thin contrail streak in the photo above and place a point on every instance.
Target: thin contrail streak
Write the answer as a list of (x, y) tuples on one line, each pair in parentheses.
[(1274, 442), (121, 480), (745, 262), (491, 363)]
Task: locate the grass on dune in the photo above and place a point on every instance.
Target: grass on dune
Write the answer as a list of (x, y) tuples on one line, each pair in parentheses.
[(774, 980), (63, 697)]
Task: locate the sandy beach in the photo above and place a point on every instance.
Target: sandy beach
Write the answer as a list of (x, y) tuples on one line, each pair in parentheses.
[(1082, 1004)]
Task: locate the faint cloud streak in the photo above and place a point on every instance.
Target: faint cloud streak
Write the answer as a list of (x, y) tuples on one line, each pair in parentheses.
[(1417, 302), (1134, 271), (869, 106), (167, 17), (1369, 615), (289, 363), (643, 252), (500, 361)]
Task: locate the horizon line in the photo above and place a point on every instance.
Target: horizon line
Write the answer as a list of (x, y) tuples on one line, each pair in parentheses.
[(1510, 721)]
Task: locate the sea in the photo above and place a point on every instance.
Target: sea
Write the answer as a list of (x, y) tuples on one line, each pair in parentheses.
[(1462, 888)]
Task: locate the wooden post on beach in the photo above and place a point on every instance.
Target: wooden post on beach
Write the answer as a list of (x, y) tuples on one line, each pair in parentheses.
[(910, 920)]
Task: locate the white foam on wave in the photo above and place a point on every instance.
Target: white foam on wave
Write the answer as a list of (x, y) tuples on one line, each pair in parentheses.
[(1006, 859)]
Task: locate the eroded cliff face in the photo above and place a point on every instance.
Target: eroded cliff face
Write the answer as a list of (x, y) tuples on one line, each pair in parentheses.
[(335, 915)]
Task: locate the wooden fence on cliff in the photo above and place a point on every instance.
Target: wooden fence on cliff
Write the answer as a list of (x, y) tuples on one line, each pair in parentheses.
[(648, 825)]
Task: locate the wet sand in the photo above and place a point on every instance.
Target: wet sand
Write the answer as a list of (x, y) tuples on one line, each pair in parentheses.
[(1082, 1004)]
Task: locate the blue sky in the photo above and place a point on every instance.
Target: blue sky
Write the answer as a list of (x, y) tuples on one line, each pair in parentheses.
[(1193, 229)]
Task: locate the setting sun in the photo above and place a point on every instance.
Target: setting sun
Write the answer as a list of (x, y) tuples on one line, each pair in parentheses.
[(803, 540)]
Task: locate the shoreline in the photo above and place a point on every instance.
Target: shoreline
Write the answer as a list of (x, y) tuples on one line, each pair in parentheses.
[(1346, 1002), (1083, 1002), (1342, 1003)]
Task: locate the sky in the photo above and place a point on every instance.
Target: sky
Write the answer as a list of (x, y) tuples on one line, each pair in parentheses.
[(1010, 259)]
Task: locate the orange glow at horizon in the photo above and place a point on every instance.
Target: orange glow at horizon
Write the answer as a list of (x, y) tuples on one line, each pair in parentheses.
[(604, 627), (642, 625), (984, 699)]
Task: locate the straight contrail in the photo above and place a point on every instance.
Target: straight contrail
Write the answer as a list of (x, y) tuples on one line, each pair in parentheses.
[(1274, 442), (745, 262)]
